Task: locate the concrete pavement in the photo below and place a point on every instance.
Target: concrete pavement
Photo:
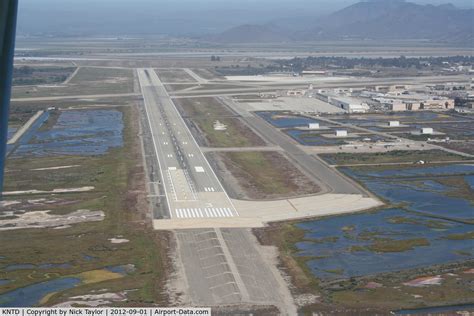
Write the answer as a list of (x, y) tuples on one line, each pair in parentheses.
[(225, 267), (259, 213), (195, 76)]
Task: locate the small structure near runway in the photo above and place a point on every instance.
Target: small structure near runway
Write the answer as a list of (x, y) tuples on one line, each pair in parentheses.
[(426, 131), (341, 133), (313, 126), (218, 126)]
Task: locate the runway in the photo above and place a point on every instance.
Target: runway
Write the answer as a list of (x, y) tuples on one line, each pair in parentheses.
[(191, 187)]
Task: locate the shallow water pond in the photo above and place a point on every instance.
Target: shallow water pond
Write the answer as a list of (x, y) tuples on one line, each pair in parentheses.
[(5, 281), (342, 246), (281, 119), (44, 266), (398, 238), (85, 133), (422, 188), (314, 139), (31, 295), (470, 181)]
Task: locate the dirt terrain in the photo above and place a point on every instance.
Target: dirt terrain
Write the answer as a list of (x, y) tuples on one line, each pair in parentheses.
[(463, 146), (261, 176), (202, 107), (174, 75), (237, 134)]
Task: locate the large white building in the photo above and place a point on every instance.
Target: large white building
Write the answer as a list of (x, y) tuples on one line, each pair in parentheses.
[(349, 104)]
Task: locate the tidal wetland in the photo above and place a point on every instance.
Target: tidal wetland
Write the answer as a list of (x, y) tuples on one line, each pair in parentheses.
[(420, 239)]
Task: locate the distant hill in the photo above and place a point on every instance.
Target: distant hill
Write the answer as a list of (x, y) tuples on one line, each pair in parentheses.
[(396, 20), (375, 19)]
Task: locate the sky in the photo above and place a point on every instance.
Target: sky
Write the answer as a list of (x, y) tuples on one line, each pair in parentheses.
[(173, 17)]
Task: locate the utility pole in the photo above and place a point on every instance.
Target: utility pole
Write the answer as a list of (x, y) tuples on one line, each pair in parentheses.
[(8, 17)]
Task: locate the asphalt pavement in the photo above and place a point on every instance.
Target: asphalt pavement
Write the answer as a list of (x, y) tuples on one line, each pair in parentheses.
[(191, 187)]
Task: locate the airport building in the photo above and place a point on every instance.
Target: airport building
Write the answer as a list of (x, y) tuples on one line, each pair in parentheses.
[(426, 104), (415, 102), (426, 131), (349, 104), (313, 125)]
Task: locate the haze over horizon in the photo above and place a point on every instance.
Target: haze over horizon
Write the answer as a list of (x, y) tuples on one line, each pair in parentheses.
[(167, 17)]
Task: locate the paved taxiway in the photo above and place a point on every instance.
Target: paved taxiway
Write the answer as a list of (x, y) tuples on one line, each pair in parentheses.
[(327, 178)]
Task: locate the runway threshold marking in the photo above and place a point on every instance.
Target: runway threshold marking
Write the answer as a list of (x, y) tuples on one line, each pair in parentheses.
[(213, 212)]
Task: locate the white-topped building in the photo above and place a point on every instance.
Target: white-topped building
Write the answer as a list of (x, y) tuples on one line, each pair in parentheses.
[(313, 126), (426, 131)]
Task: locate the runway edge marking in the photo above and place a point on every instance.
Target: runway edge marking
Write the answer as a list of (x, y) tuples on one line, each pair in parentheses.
[(195, 142), (154, 141)]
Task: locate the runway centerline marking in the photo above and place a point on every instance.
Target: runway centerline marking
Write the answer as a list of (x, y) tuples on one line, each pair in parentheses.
[(192, 190)]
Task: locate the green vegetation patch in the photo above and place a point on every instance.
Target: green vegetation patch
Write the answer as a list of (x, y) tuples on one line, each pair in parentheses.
[(27, 75), (206, 112), (397, 156), (391, 245), (465, 236), (463, 253), (174, 75), (463, 146), (335, 271), (86, 74), (324, 240), (87, 81), (211, 107), (236, 134), (458, 187), (413, 221), (452, 291), (262, 173), (285, 236), (20, 115)]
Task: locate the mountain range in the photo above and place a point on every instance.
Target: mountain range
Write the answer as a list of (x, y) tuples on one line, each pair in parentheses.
[(374, 19)]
